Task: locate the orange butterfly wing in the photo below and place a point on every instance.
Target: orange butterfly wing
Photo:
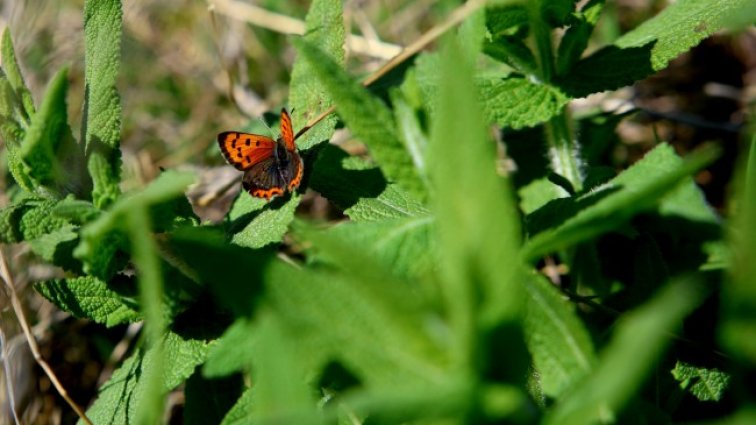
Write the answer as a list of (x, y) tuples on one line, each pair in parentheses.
[(243, 150), (287, 131)]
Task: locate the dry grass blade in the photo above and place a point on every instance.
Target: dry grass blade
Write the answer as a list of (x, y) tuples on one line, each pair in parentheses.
[(16, 303), (8, 378), (287, 25)]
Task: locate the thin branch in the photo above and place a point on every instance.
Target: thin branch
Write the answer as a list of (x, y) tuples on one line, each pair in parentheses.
[(287, 25), (17, 308)]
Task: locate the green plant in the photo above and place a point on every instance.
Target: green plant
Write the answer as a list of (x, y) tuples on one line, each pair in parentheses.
[(427, 305)]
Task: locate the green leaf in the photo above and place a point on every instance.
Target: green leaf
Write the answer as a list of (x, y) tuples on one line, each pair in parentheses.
[(119, 398), (281, 392), (75, 211), (233, 350), (57, 247), (150, 282), (518, 102), (538, 193), (738, 329), (625, 363), (475, 211), (241, 411), (308, 97), (104, 240), (13, 73), (366, 116), (10, 218), (556, 12), (608, 69), (512, 51), (51, 158), (88, 297), (37, 221), (637, 189), (575, 39), (254, 223), (650, 46), (375, 327), (208, 400), (559, 343), (234, 274), (406, 246), (101, 126), (705, 384), (359, 188)]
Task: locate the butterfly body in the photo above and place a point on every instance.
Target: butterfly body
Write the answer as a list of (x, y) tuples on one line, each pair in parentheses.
[(271, 167)]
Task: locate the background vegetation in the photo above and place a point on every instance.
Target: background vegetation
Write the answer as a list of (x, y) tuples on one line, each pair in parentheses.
[(547, 215)]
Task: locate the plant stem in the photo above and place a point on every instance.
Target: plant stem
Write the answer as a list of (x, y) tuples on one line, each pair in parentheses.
[(563, 151), (564, 154)]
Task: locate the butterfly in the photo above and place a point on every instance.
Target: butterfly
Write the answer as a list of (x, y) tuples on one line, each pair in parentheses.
[(271, 167)]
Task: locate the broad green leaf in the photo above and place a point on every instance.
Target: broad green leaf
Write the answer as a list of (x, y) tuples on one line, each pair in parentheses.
[(13, 73), (538, 193), (705, 384), (57, 247), (10, 218), (90, 298), (254, 223), (12, 130), (241, 411), (513, 102), (575, 39), (119, 398), (556, 12), (359, 188), (366, 116), (233, 351), (75, 211), (375, 327), (50, 155), (608, 69), (324, 27), (501, 19), (738, 329), (281, 394), (234, 274), (637, 189), (512, 51), (474, 209), (405, 245), (101, 127), (639, 340), (742, 18), (104, 240), (559, 343), (650, 46), (445, 403), (37, 221), (519, 102), (208, 400)]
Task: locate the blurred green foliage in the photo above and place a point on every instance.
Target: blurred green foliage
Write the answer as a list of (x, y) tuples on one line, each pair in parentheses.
[(431, 303)]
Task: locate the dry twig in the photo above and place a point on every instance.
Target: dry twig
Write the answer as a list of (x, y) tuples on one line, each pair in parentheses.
[(8, 378), (287, 25), (18, 309)]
